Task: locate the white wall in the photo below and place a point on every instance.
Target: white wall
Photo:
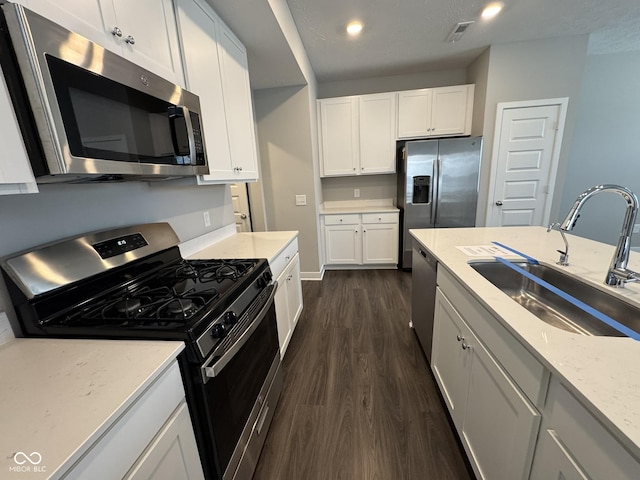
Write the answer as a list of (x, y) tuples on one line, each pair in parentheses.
[(61, 211), (285, 145), (529, 71), (605, 146)]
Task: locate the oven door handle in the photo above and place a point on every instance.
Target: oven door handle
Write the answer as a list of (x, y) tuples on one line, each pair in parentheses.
[(221, 362)]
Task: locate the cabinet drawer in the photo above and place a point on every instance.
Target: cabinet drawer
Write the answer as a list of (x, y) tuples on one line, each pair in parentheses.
[(280, 262), (347, 219), (389, 217)]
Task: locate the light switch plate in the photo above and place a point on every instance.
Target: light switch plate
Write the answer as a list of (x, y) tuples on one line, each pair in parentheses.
[(356, 193), (636, 228), (207, 219), (301, 199)]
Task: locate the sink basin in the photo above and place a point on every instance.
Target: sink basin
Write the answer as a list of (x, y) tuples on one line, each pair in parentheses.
[(552, 308)]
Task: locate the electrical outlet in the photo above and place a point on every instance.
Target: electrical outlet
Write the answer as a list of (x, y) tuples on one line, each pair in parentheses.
[(301, 200), (636, 228), (356, 193), (207, 219)]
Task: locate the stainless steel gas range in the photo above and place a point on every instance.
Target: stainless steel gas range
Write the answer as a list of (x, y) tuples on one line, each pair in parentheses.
[(133, 283)]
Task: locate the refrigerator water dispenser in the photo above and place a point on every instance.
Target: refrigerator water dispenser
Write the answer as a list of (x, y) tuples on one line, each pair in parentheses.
[(421, 187)]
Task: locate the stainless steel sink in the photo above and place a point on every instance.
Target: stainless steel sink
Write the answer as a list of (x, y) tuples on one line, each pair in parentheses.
[(552, 308)]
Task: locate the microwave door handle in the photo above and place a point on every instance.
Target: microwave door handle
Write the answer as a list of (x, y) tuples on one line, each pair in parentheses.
[(182, 112), (213, 368)]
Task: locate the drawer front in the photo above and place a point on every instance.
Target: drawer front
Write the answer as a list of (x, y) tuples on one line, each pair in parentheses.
[(280, 262), (389, 217), (347, 219)]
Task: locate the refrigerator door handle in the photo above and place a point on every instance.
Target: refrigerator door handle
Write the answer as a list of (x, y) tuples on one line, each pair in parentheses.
[(435, 191)]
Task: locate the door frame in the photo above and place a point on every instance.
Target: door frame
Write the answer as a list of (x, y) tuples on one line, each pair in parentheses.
[(563, 103)]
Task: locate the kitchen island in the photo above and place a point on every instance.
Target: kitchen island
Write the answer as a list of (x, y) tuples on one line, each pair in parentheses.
[(551, 371)]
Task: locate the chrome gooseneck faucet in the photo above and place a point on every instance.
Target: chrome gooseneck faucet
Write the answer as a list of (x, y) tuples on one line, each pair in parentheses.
[(618, 273)]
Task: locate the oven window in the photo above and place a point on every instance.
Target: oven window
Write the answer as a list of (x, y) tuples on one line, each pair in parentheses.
[(232, 394), (106, 120)]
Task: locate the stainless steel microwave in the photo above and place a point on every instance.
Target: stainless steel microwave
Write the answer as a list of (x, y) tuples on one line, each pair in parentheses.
[(87, 114)]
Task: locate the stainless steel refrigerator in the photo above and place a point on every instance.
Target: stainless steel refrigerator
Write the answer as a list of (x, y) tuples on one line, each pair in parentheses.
[(437, 186)]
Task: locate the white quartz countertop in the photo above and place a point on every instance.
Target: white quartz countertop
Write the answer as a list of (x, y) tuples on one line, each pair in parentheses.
[(603, 372), (58, 396), (248, 245)]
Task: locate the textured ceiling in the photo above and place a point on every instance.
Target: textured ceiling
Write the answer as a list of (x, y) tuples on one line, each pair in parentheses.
[(408, 36), (404, 36)]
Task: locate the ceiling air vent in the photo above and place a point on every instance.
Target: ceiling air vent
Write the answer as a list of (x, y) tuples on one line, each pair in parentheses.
[(458, 31)]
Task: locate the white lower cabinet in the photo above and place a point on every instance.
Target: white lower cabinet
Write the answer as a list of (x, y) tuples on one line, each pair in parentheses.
[(575, 445), (153, 439), (361, 239), (173, 454), (288, 299), (496, 423)]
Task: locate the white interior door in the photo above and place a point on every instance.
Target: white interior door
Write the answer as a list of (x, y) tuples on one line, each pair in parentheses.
[(241, 211), (524, 163)]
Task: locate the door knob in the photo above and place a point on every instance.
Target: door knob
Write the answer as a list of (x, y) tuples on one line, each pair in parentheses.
[(499, 203), (243, 216)]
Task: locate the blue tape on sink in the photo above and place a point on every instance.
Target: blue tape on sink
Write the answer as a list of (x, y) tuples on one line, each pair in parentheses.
[(526, 257), (571, 299)]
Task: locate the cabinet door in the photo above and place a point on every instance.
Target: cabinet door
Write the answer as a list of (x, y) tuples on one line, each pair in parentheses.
[(414, 113), (238, 105), (449, 361), (343, 244), (172, 455), (450, 109), (553, 460), (380, 243), (282, 312), (198, 26), (500, 426), (16, 175), (89, 18), (377, 114), (294, 291), (150, 36), (339, 136)]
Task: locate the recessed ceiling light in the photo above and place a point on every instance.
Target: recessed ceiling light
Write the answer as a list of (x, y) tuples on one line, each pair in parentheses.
[(492, 9), (354, 28)]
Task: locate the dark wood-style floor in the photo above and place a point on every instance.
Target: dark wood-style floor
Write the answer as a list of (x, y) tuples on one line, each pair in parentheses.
[(359, 402)]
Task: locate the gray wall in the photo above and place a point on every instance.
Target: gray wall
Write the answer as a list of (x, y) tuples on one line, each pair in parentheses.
[(605, 146), (392, 83), (61, 211), (372, 187), (530, 71), (478, 74), (285, 145)]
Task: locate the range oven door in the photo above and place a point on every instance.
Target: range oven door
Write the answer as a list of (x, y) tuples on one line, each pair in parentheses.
[(240, 392)]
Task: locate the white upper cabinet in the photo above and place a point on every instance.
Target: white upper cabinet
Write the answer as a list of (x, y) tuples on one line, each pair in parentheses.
[(216, 70), (435, 112), (15, 170), (143, 31), (236, 90), (377, 114), (339, 135), (357, 134)]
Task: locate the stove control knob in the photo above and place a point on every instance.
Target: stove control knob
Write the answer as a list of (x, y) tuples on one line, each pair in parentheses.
[(218, 331), (264, 279), (230, 318)]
